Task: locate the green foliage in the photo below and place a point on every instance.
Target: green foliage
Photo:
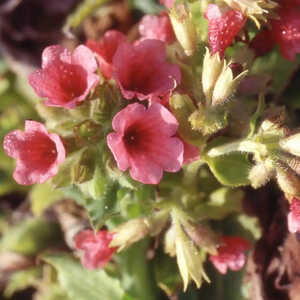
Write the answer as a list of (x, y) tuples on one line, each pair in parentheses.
[(22, 280), (278, 67), (83, 284), (42, 196), (30, 236), (137, 276), (231, 169)]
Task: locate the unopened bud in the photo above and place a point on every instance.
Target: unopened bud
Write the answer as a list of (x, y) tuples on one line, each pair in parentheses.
[(184, 28), (212, 67), (129, 233), (226, 85), (170, 247), (208, 121), (260, 174), (291, 144), (83, 168)]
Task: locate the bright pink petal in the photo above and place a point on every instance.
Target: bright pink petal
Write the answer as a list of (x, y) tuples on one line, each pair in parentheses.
[(142, 71), (96, 248), (230, 254), (55, 53), (38, 153), (118, 149), (144, 171), (223, 26), (13, 142), (157, 27), (106, 49), (64, 81), (83, 56), (144, 142)]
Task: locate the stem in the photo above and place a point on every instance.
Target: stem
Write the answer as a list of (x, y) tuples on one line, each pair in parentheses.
[(242, 146)]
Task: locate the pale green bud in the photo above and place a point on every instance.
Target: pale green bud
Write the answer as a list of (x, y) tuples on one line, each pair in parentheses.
[(189, 259), (291, 144), (129, 233), (212, 67), (261, 173), (184, 28), (226, 85)]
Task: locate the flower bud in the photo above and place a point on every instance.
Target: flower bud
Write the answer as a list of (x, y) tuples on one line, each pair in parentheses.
[(226, 85), (184, 28), (212, 67), (260, 174), (189, 259), (129, 233), (170, 247), (202, 236), (208, 121), (291, 144), (83, 168)]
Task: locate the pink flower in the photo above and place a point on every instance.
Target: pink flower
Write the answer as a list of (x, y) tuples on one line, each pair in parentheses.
[(144, 142), (294, 216), (142, 71), (65, 79), (167, 3), (223, 26), (96, 248), (230, 254), (157, 27), (286, 31), (38, 153), (106, 49)]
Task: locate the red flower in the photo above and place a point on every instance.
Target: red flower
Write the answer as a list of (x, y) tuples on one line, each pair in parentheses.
[(294, 216), (96, 248), (230, 254), (65, 79), (286, 32), (157, 27), (223, 26), (144, 142), (262, 43), (38, 153), (142, 71), (106, 49)]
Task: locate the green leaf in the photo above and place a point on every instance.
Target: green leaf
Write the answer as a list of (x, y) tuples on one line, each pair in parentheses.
[(137, 277), (42, 197), (231, 169), (22, 280), (278, 67), (146, 6), (103, 198), (83, 284), (52, 292), (166, 274), (30, 236)]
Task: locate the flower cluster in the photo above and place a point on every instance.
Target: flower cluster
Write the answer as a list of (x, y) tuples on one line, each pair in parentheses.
[(126, 110)]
